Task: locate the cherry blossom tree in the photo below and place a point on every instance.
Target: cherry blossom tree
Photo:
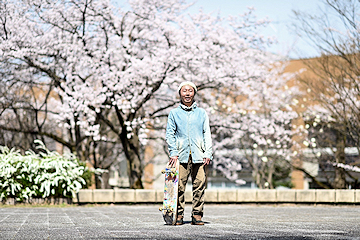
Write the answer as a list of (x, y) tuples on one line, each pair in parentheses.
[(114, 73), (258, 133), (333, 86)]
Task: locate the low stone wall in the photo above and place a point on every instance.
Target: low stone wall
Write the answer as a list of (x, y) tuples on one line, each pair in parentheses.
[(223, 196)]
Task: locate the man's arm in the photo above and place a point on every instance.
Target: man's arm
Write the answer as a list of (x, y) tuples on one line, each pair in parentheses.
[(171, 139), (207, 140)]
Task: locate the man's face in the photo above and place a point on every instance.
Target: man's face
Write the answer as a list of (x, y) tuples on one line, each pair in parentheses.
[(187, 95)]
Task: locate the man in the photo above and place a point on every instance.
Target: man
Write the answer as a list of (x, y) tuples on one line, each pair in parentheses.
[(189, 141)]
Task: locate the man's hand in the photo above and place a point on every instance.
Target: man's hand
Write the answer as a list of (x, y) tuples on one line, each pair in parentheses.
[(206, 161), (173, 160)]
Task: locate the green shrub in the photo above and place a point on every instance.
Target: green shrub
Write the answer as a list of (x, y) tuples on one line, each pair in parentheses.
[(46, 174)]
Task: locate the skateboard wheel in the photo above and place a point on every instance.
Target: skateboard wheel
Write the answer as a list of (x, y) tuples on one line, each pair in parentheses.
[(160, 208), (173, 170), (163, 171)]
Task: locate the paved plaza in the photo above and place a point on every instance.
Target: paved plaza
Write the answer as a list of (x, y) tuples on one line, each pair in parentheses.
[(145, 222)]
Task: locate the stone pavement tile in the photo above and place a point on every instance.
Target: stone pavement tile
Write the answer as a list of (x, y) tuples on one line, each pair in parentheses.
[(34, 226), (3, 215), (32, 234), (93, 233), (10, 226), (86, 222), (15, 218), (60, 219), (37, 218), (62, 225), (64, 234), (7, 235)]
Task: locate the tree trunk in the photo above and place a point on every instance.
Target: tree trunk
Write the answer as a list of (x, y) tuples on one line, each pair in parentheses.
[(271, 173), (257, 175), (98, 182), (340, 178), (105, 177), (132, 152)]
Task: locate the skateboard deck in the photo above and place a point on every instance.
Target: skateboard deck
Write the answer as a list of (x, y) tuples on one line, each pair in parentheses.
[(169, 208)]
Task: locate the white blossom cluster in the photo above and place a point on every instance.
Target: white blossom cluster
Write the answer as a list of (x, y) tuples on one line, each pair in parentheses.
[(38, 175), (347, 167)]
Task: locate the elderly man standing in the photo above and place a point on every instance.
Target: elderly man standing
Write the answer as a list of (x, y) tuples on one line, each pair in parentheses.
[(189, 141)]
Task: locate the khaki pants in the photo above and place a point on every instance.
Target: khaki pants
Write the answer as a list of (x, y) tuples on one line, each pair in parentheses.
[(198, 177)]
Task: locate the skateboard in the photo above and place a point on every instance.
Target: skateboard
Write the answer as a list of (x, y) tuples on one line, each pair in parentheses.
[(169, 208)]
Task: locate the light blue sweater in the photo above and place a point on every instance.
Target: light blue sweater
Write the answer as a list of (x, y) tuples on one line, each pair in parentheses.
[(188, 129)]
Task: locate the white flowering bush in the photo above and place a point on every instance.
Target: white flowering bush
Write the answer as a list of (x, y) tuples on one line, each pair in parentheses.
[(44, 174)]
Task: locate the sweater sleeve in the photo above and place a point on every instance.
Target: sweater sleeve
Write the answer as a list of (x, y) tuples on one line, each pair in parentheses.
[(207, 137), (170, 136)]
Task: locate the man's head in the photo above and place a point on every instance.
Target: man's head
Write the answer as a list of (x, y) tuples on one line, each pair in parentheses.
[(187, 91)]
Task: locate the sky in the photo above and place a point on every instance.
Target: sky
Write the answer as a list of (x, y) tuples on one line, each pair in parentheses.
[(280, 14), (278, 11)]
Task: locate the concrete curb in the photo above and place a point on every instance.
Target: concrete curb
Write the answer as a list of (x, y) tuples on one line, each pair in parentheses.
[(223, 196)]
